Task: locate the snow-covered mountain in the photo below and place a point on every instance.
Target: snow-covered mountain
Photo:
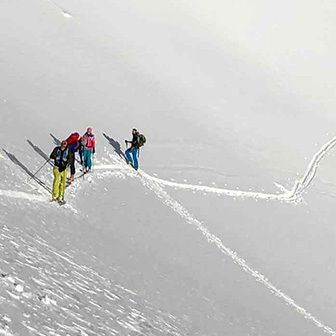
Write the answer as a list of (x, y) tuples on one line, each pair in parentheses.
[(227, 228)]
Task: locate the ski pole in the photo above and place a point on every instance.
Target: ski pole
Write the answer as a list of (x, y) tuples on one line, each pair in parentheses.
[(33, 176), (93, 163)]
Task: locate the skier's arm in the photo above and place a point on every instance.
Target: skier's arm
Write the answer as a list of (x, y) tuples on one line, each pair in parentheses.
[(134, 142), (53, 154)]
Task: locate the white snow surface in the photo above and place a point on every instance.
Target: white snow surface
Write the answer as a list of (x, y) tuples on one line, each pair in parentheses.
[(228, 226)]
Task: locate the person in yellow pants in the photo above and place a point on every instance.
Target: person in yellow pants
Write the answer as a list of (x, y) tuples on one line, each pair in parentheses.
[(62, 157)]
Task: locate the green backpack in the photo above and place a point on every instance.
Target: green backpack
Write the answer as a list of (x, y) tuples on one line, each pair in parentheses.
[(141, 140)]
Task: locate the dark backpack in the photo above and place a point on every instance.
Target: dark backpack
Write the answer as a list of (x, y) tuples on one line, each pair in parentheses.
[(141, 140), (61, 160)]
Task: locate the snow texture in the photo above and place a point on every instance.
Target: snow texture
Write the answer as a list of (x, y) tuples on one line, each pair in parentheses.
[(227, 228)]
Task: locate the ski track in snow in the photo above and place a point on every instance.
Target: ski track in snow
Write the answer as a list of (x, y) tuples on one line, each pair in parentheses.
[(290, 196), (32, 198), (211, 238), (64, 13), (294, 195), (45, 282), (23, 195), (156, 184)]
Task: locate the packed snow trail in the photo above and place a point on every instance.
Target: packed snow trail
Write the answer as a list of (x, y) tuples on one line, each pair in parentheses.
[(155, 184), (295, 194), (33, 198), (290, 196), (23, 195), (301, 185), (287, 196), (211, 238), (65, 13)]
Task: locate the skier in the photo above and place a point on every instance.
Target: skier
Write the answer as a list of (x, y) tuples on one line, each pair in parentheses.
[(62, 156), (137, 141), (89, 148), (73, 146)]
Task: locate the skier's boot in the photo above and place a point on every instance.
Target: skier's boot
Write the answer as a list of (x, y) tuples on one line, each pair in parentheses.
[(61, 201)]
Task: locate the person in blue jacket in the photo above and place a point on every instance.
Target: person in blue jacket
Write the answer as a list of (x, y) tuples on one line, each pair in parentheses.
[(134, 149)]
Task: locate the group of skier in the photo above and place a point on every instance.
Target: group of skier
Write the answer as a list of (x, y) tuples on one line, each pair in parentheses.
[(64, 156)]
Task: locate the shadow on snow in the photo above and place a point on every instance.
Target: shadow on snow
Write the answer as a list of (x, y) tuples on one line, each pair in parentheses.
[(116, 145), (15, 160), (39, 151), (57, 142)]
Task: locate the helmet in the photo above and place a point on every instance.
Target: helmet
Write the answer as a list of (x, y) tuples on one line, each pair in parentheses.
[(89, 130)]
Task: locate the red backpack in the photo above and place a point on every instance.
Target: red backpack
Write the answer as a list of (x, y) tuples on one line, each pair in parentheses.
[(72, 138)]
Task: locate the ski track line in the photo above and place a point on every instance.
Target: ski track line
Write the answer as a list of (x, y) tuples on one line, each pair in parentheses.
[(211, 238), (22, 195), (289, 196), (65, 13), (286, 196), (154, 184), (31, 198)]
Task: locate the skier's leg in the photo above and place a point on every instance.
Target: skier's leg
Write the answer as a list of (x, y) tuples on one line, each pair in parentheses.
[(62, 184), (55, 183), (135, 158), (72, 168), (72, 165), (85, 158), (89, 161), (80, 151), (128, 155)]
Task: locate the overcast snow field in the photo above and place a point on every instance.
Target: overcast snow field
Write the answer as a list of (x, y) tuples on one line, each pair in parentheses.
[(228, 228)]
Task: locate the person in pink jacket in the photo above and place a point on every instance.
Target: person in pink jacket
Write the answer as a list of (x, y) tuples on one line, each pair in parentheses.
[(89, 148)]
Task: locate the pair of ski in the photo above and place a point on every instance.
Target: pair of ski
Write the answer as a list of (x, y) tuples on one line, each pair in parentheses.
[(68, 183), (62, 202), (129, 163), (82, 174)]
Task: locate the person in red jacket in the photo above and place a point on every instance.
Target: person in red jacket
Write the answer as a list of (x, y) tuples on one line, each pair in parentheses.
[(73, 146)]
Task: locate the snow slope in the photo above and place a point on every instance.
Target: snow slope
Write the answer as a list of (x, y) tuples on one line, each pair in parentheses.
[(227, 229)]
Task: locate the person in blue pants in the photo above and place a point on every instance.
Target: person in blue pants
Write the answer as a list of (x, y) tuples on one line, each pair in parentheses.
[(133, 150), (88, 143)]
